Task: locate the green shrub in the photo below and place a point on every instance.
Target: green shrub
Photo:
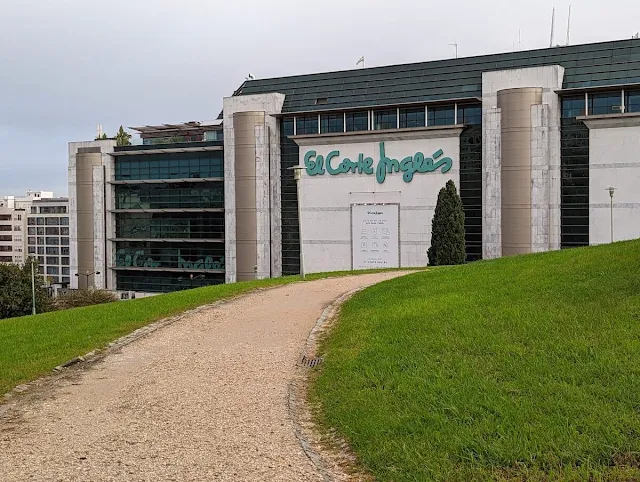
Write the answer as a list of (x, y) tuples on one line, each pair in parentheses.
[(83, 297), (447, 229)]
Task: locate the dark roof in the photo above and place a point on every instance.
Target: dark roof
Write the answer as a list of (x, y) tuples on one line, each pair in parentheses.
[(586, 66)]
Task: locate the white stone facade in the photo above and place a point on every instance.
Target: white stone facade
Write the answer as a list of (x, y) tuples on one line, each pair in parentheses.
[(326, 199), (614, 161)]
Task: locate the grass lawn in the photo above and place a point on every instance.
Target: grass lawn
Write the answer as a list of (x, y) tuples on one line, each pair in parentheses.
[(521, 368), (31, 346)]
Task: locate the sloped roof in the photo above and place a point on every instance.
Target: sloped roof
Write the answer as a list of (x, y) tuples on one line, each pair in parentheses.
[(586, 66)]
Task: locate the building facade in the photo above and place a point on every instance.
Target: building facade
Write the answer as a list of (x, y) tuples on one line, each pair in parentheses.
[(47, 239), (534, 140)]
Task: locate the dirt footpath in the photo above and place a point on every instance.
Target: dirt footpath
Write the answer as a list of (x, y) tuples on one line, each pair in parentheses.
[(204, 398)]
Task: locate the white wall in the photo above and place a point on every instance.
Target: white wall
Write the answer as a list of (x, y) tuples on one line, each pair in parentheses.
[(326, 199), (614, 160)]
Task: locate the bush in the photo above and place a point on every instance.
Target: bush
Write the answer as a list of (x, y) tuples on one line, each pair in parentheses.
[(83, 297), (447, 229)]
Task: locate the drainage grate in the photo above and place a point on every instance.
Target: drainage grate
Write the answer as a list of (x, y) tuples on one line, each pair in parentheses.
[(311, 362)]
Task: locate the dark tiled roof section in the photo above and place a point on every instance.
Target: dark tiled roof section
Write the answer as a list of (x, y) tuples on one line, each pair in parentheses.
[(588, 65)]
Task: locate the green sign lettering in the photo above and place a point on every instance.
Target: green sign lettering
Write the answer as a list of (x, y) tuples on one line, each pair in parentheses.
[(316, 165)]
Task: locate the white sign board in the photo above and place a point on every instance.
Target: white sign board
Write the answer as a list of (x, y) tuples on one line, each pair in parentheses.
[(375, 236)]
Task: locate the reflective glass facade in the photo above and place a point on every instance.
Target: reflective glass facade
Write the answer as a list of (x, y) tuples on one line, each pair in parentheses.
[(289, 152), (170, 195), (306, 124), (155, 251), (357, 121), (331, 123), (574, 171), (188, 165), (441, 115), (385, 119), (605, 103), (170, 225), (471, 180), (413, 117)]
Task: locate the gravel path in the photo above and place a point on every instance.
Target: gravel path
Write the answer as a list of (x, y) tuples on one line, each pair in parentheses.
[(204, 398)]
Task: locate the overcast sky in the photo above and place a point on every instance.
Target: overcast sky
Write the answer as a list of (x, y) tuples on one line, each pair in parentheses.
[(67, 65)]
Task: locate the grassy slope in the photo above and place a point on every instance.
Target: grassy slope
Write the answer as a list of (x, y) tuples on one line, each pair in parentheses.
[(33, 345), (522, 368)]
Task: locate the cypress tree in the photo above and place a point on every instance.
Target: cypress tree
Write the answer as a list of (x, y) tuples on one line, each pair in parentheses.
[(447, 229)]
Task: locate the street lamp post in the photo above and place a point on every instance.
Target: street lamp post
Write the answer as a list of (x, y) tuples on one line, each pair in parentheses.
[(87, 274), (611, 191), (33, 288), (297, 175)]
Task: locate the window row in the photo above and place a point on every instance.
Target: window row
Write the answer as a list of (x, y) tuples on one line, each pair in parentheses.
[(164, 282), (48, 209), (196, 256), (381, 119), (49, 241), (50, 250), (601, 103), (168, 196), (49, 221), (49, 231), (170, 225), (188, 165)]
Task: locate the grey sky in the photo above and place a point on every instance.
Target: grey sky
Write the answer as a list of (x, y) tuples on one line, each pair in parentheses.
[(67, 65)]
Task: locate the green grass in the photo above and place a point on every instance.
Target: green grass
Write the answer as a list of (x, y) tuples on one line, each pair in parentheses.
[(31, 346), (522, 368)]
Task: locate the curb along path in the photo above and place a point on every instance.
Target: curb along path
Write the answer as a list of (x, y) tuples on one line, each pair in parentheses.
[(205, 398)]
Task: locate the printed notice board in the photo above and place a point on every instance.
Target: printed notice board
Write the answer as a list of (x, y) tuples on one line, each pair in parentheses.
[(375, 237)]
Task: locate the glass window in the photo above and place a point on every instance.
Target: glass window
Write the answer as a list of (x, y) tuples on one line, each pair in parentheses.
[(40, 250), (31, 240), (52, 221), (52, 231), (65, 270), (64, 251), (53, 270), (64, 261), (331, 123), (17, 227), (413, 117), (357, 121), (470, 114), (188, 165), (40, 221), (53, 250), (632, 101), (40, 231), (286, 126), (5, 217), (41, 269), (53, 209), (170, 195), (64, 221), (64, 241), (64, 231), (385, 119), (31, 221), (65, 280), (41, 260), (52, 260), (31, 250), (5, 228), (34, 210), (306, 124), (6, 248), (52, 241), (441, 115), (40, 241), (7, 237), (572, 106), (605, 103), (31, 231)]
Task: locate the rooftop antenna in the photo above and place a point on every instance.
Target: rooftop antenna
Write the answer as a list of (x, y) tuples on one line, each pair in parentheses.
[(360, 61), (99, 131), (568, 24), (455, 44), (553, 21), (250, 77)]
